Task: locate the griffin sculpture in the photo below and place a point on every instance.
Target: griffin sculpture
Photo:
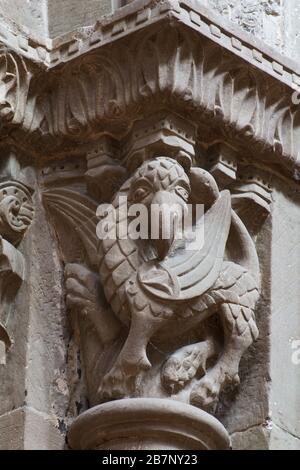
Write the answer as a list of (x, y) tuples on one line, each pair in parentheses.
[(159, 288)]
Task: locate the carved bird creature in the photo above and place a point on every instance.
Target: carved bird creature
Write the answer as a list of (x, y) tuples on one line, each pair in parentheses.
[(164, 286), (158, 287)]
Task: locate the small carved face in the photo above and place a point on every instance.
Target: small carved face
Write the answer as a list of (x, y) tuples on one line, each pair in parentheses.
[(16, 211), (163, 187)]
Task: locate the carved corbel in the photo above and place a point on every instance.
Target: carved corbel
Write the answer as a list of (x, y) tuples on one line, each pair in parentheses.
[(222, 163), (160, 134), (16, 214), (252, 196), (104, 173), (249, 185)]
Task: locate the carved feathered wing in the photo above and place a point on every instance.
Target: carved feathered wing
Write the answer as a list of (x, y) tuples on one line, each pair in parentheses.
[(191, 272), (79, 212)]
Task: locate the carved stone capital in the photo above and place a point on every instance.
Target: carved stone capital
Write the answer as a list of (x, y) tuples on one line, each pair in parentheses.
[(160, 133), (156, 294)]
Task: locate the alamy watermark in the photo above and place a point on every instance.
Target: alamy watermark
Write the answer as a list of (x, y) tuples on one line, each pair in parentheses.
[(296, 353), (174, 222)]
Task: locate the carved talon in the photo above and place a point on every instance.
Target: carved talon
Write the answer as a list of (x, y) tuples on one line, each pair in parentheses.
[(181, 367), (118, 383), (206, 392), (114, 385)]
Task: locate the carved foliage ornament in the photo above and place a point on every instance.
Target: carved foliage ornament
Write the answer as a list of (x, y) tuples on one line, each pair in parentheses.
[(195, 305), (106, 90)]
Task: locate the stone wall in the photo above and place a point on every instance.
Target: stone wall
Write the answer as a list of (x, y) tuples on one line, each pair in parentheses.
[(51, 18), (274, 21), (285, 319)]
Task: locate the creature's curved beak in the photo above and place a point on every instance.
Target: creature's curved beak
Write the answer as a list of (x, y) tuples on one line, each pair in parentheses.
[(166, 215)]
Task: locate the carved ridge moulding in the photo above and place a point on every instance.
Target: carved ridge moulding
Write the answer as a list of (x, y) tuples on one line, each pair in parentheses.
[(188, 63)]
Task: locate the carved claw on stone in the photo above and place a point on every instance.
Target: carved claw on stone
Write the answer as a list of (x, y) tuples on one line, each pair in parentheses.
[(183, 365), (116, 385), (205, 393), (122, 380)]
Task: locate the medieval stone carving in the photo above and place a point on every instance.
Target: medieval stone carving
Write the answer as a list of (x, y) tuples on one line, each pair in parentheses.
[(105, 90), (211, 82), (158, 294), (165, 293), (16, 214), (250, 14), (250, 186), (252, 194), (16, 210), (15, 79)]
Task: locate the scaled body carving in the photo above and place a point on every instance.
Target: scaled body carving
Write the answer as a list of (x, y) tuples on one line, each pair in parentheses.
[(160, 290)]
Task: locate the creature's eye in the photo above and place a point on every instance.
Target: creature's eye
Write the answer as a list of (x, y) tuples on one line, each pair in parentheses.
[(140, 194), (182, 192)]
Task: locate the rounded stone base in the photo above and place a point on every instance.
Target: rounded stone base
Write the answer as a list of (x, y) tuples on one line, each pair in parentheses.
[(145, 424)]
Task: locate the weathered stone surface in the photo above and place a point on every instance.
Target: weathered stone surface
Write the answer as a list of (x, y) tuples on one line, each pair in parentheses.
[(248, 407), (40, 372), (50, 18), (161, 102), (285, 326), (276, 22), (69, 15), (27, 429), (291, 29), (186, 298), (256, 438), (283, 440), (32, 17), (264, 18)]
